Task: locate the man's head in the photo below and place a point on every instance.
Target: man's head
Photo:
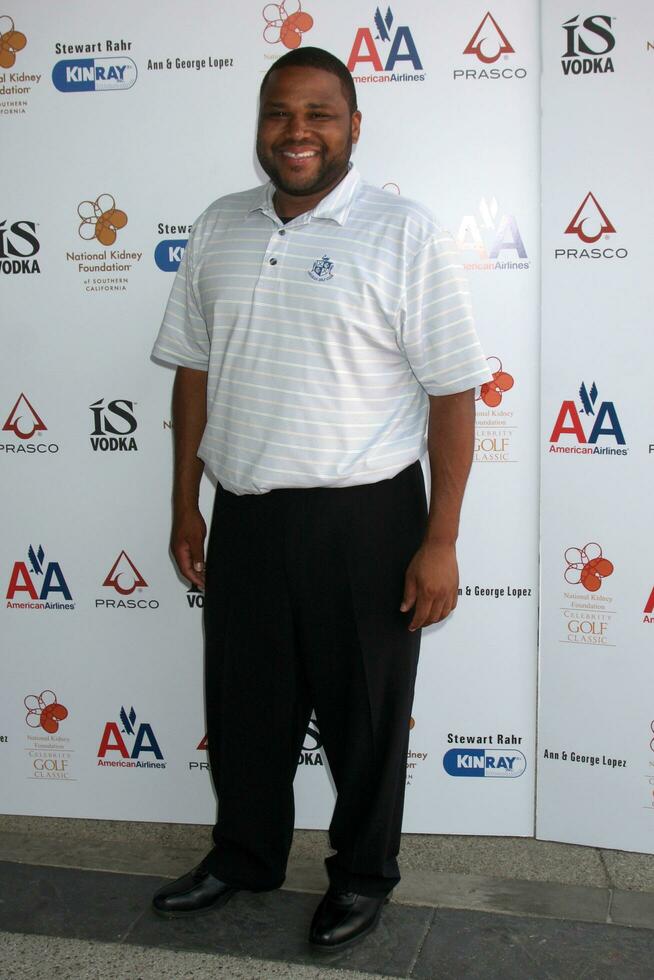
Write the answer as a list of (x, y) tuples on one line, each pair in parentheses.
[(308, 121)]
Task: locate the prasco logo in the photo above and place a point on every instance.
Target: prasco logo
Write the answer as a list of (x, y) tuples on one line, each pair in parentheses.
[(484, 762), (489, 41), (94, 74)]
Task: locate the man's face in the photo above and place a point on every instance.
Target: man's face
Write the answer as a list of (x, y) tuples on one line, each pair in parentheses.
[(306, 130)]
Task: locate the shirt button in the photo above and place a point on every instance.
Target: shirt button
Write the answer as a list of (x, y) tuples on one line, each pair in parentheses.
[(282, 231), (273, 261)]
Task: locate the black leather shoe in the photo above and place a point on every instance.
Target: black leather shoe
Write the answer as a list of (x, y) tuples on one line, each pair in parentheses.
[(195, 892), (343, 918)]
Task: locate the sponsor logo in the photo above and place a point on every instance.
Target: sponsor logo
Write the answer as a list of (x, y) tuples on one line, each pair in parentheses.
[(113, 426), (286, 23), (649, 609), (11, 41), (94, 74), (584, 759), (587, 613), (493, 237), (497, 763), (126, 742), (396, 47), (650, 775), (195, 598), (311, 754), (48, 752), (125, 578), (414, 758), (43, 711), (15, 86), (590, 223), (34, 582), (495, 428), (203, 765), (601, 419), (100, 222), (321, 270), (588, 45), (488, 44), (25, 422), (18, 247), (188, 64), (587, 566), (169, 253), (101, 219)]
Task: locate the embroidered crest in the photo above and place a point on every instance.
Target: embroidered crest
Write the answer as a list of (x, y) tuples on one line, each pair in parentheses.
[(321, 270)]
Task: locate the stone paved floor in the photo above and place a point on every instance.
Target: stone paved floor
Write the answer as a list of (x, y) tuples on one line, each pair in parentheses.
[(100, 924)]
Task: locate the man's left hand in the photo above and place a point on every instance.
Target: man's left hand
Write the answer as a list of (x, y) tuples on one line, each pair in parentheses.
[(431, 584)]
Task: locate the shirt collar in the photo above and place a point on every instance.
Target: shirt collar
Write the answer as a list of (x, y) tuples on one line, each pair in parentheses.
[(335, 206)]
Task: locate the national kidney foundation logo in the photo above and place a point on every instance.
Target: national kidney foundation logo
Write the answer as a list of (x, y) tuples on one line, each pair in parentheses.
[(495, 417), (587, 606), (286, 23), (100, 222), (16, 83), (48, 751)]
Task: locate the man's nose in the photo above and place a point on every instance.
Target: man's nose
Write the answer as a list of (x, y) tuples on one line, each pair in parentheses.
[(296, 126)]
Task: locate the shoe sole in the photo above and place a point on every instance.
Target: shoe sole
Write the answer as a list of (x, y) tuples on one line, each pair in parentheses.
[(323, 948), (186, 913)]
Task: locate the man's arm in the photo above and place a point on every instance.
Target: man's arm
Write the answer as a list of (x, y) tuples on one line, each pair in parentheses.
[(189, 421), (432, 578)]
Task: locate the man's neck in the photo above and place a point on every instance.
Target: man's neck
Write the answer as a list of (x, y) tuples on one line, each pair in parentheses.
[(291, 205)]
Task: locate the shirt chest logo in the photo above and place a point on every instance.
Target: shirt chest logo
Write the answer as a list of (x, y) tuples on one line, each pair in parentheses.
[(321, 270)]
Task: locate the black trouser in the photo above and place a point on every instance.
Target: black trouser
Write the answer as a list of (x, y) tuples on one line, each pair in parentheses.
[(303, 591)]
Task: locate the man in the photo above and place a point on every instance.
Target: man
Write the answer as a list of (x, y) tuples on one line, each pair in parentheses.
[(317, 324)]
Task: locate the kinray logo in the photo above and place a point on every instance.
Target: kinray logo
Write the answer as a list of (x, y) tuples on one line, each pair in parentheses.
[(285, 25), (169, 253), (25, 580), (101, 219), (501, 231), (94, 74), (43, 711), (23, 420), (587, 566), (402, 49), (590, 221), (124, 576), (484, 762), (593, 38), (11, 41), (605, 423), (491, 392), (144, 741), (489, 41)]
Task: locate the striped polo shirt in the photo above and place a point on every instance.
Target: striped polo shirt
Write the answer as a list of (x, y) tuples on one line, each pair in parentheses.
[(322, 337)]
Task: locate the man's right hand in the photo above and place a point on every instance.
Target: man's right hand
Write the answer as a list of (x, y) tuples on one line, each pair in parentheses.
[(187, 543)]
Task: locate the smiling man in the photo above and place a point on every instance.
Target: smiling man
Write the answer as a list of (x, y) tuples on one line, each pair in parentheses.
[(322, 335)]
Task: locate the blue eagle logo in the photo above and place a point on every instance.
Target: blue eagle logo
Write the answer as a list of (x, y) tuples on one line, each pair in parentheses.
[(321, 270)]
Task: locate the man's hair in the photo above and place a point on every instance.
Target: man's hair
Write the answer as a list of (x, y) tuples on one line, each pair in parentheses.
[(316, 58)]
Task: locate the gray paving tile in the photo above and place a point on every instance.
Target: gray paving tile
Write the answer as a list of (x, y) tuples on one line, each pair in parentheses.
[(79, 904), (479, 946), (633, 909), (44, 957), (487, 894), (275, 926), (629, 871)]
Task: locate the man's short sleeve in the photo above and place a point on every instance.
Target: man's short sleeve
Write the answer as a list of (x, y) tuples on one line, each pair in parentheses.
[(183, 337), (437, 332)]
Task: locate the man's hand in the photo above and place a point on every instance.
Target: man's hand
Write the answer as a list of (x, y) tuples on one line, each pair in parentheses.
[(431, 584), (187, 543)]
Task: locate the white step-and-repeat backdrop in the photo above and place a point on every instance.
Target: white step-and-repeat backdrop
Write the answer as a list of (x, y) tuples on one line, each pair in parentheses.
[(120, 124)]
